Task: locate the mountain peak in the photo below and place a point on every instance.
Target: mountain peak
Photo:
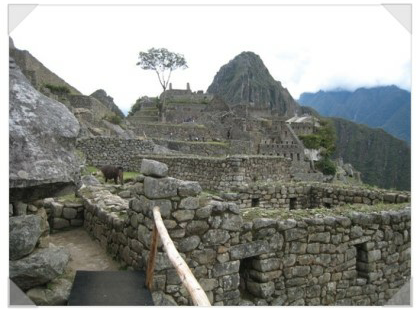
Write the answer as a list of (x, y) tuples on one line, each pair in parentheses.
[(246, 80)]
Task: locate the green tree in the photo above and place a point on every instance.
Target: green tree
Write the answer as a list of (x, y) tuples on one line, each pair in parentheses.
[(163, 62)]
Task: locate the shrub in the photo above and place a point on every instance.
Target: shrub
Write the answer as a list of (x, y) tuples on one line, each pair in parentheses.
[(324, 137), (311, 141), (326, 166), (58, 89), (113, 118)]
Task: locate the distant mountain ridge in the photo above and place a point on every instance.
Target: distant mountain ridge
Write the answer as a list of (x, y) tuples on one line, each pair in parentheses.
[(386, 107), (246, 80), (382, 159)]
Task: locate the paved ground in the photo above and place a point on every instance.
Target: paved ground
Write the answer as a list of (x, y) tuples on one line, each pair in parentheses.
[(86, 254)]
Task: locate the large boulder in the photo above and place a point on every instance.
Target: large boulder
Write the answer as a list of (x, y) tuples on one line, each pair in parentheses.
[(24, 232), (39, 268), (56, 293), (42, 135)]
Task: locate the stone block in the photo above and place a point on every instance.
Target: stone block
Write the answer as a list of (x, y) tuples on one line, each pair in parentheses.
[(197, 227), (265, 276), (264, 265), (183, 215), (226, 268), (189, 188), (323, 237), (231, 222), (24, 232), (188, 244), (295, 233), (208, 284), (160, 188), (215, 237), (189, 203), (263, 290), (230, 282), (69, 213), (249, 249), (153, 168), (204, 257)]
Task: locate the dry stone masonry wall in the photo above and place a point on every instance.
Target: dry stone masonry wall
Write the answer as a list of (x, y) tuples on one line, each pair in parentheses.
[(358, 259), (311, 195)]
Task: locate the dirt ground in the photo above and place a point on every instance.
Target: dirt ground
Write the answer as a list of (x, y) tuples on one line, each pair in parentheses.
[(86, 254)]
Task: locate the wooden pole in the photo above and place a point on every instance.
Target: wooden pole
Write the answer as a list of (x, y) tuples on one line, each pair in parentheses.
[(198, 295), (152, 259)]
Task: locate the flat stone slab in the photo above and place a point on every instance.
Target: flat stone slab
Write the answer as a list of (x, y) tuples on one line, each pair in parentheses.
[(110, 288)]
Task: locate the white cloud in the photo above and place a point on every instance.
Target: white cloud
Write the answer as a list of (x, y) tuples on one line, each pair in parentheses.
[(306, 48)]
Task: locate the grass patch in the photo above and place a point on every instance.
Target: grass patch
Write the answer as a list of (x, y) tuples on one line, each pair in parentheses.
[(128, 175), (283, 214), (69, 198)]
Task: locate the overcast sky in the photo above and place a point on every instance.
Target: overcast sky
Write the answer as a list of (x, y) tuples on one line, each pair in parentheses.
[(307, 48)]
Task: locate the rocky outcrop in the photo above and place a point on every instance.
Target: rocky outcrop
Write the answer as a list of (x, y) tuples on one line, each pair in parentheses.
[(108, 101), (24, 232), (38, 268), (246, 80), (56, 294), (42, 134)]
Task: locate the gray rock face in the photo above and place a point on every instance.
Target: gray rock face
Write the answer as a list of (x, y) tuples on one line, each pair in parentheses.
[(42, 135), (20, 208), (56, 295), (38, 268), (108, 101), (24, 232), (153, 168)]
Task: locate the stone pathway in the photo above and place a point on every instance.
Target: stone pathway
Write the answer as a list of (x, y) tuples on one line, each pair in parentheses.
[(86, 254)]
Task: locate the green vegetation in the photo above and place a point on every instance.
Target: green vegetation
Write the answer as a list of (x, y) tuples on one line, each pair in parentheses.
[(323, 137), (326, 166), (113, 118), (58, 89), (69, 198), (383, 160), (283, 214), (128, 175)]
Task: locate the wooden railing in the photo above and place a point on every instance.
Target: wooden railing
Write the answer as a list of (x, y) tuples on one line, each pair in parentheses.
[(198, 295)]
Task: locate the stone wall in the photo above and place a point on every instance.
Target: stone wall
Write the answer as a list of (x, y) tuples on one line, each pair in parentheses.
[(64, 214), (213, 173), (100, 151), (359, 259), (196, 148), (226, 173), (184, 112), (312, 195), (184, 132)]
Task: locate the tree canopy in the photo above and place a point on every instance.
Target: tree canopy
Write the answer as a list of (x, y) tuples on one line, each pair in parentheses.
[(161, 61)]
